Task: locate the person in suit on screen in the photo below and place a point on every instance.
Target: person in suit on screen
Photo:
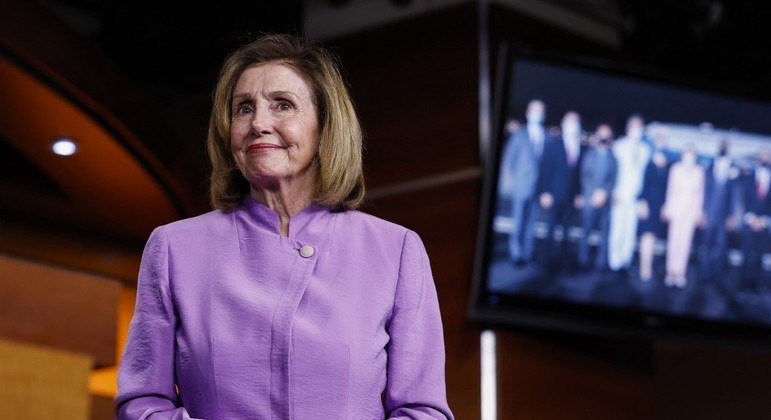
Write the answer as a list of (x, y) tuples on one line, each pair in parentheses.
[(597, 178), (632, 154), (717, 219), (756, 239), (558, 186), (683, 210), (522, 160), (650, 202)]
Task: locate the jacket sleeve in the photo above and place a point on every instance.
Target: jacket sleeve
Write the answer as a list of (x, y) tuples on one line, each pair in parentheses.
[(146, 388), (545, 168), (609, 183), (670, 196), (584, 173), (698, 199), (415, 387), (507, 159), (647, 187)]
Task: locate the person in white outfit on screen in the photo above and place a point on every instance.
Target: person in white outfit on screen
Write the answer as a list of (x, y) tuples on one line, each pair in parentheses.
[(632, 155)]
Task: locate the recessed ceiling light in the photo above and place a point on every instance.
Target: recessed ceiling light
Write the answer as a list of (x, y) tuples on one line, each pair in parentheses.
[(64, 147)]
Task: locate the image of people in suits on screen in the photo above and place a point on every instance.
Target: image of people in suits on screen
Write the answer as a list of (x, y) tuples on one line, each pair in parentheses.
[(756, 239), (651, 200), (521, 162), (664, 215), (558, 187), (597, 180), (632, 154), (718, 220), (683, 210)]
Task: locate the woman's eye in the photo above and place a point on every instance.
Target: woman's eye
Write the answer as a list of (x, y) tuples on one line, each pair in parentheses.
[(243, 110), (284, 105)]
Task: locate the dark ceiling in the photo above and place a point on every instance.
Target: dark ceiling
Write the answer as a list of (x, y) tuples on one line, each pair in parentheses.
[(726, 40), (172, 47)]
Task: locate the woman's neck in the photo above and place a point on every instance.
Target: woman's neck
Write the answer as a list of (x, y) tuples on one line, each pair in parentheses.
[(286, 198)]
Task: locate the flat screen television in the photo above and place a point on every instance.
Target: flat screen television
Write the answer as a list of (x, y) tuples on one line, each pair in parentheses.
[(617, 202)]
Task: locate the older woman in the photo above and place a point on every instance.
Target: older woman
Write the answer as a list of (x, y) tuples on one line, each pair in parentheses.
[(683, 210), (284, 302)]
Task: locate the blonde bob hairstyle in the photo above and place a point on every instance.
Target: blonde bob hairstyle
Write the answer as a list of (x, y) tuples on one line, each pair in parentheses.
[(339, 174)]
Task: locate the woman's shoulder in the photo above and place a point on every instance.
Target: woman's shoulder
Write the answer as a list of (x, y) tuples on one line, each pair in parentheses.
[(358, 219), (202, 224), (373, 229)]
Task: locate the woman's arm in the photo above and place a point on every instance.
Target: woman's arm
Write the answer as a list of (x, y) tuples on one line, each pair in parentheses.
[(670, 195), (146, 375), (415, 386), (698, 198)]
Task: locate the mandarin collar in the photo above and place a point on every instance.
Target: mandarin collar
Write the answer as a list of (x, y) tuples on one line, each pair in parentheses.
[(306, 224)]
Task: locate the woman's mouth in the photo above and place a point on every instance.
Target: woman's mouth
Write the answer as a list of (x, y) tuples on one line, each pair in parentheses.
[(262, 148)]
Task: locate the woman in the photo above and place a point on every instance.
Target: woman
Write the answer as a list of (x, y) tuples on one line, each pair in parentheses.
[(683, 209), (284, 302), (650, 203)]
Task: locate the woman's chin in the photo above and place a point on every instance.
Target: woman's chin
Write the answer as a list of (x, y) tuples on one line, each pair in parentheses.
[(268, 178), (268, 171)]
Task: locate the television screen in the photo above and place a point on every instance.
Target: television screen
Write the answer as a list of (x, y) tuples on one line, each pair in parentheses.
[(621, 202)]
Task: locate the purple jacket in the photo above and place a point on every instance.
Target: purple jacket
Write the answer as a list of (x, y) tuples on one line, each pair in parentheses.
[(249, 327)]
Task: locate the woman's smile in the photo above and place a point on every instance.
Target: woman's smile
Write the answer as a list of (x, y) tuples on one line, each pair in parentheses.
[(262, 148)]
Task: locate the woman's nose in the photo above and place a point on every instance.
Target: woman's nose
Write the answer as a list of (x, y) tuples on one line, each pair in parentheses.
[(262, 123)]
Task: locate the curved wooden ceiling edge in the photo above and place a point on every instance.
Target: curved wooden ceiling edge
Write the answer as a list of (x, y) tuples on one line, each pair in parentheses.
[(109, 185), (179, 196)]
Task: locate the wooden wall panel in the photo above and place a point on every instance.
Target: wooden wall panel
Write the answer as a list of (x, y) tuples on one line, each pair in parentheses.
[(41, 383), (102, 408), (60, 308), (415, 90), (545, 379), (710, 382)]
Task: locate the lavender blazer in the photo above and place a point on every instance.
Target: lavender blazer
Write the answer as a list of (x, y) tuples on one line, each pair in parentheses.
[(248, 327)]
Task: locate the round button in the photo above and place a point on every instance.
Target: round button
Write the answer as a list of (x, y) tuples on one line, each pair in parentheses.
[(306, 251)]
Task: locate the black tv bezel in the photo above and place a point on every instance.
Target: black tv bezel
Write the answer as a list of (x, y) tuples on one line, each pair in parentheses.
[(586, 318)]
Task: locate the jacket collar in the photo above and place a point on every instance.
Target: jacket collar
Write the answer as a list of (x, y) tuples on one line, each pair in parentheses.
[(308, 225)]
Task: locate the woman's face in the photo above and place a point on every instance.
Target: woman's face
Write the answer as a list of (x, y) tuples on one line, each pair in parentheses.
[(689, 157), (274, 130)]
